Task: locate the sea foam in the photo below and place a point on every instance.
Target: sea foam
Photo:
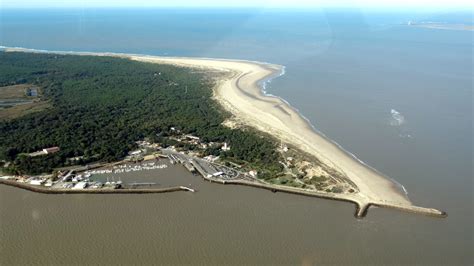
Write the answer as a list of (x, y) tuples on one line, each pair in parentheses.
[(397, 118)]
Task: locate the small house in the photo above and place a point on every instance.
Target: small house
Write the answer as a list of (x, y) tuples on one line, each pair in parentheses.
[(51, 150)]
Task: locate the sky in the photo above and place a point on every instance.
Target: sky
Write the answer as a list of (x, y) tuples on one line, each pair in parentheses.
[(239, 3)]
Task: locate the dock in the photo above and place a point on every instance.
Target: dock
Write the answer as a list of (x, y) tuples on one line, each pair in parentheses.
[(136, 184)]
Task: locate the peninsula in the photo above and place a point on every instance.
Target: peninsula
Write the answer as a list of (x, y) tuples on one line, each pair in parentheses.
[(237, 90), (441, 26)]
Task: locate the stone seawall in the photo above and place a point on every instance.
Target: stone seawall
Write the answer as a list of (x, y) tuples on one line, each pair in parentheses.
[(362, 205), (40, 189)]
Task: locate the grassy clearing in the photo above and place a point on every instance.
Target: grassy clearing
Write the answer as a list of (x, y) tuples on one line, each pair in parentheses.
[(15, 91), (23, 109), (19, 92)]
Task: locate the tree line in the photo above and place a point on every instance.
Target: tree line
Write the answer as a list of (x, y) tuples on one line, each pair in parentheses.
[(102, 105)]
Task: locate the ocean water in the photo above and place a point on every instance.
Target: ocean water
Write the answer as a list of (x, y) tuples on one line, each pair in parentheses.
[(398, 97)]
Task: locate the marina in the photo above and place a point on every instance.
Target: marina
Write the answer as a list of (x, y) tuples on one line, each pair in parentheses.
[(103, 181), (127, 168), (117, 178)]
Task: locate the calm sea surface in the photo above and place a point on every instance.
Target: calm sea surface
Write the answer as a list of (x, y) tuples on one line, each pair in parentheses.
[(398, 97)]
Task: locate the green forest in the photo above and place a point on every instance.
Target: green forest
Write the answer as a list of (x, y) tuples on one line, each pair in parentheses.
[(100, 106)]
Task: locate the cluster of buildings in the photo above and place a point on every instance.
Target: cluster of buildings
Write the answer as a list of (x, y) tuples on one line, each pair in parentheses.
[(32, 180), (147, 152), (190, 139), (204, 167), (65, 180), (72, 180)]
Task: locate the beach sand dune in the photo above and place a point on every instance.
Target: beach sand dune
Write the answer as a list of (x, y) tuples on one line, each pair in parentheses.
[(241, 95)]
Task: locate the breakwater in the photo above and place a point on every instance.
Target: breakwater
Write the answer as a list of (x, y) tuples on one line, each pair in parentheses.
[(362, 205), (40, 189)]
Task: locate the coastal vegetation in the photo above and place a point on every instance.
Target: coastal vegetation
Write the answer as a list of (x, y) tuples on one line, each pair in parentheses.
[(98, 107)]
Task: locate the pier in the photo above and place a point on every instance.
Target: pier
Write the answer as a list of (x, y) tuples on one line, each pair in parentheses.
[(362, 205), (41, 189)]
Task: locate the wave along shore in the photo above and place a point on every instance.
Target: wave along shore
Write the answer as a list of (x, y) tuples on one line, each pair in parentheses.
[(240, 93)]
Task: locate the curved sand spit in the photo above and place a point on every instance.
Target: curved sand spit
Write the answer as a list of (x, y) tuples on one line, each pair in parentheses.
[(240, 93)]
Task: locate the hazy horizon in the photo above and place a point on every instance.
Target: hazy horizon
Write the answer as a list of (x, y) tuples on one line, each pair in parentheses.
[(295, 4)]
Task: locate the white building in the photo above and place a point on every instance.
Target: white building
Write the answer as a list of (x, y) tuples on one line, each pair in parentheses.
[(36, 182), (135, 152), (192, 137), (50, 150), (80, 185), (225, 147), (211, 158)]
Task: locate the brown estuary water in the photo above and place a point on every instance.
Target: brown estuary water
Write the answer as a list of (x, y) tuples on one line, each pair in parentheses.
[(219, 224)]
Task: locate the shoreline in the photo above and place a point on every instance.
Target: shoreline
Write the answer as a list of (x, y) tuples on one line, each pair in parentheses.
[(442, 26), (262, 85), (242, 93)]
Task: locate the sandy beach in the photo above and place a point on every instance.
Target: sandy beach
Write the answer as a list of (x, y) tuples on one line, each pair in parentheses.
[(240, 93)]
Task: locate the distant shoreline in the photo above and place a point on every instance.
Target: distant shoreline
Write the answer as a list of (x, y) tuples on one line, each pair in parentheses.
[(442, 26), (240, 93)]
